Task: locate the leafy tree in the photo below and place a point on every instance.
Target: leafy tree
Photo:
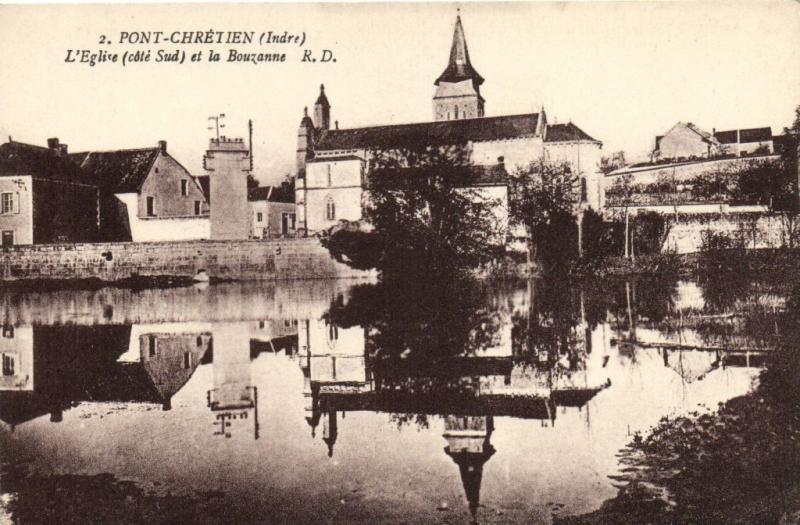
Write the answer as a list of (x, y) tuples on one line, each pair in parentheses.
[(543, 199), (424, 213)]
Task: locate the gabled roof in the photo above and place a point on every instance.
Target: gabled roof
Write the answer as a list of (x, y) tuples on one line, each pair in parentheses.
[(123, 171), (445, 132), (705, 135), (270, 194), (17, 158), (459, 66), (204, 182), (566, 133)]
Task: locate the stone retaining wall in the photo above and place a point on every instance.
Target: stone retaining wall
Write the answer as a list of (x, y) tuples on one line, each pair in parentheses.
[(233, 260)]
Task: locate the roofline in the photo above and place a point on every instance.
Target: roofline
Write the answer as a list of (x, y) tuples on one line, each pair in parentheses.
[(640, 169), (432, 122)]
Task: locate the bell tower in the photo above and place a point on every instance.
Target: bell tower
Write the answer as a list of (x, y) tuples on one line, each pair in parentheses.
[(458, 94)]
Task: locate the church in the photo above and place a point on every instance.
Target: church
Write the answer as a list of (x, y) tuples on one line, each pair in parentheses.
[(332, 162)]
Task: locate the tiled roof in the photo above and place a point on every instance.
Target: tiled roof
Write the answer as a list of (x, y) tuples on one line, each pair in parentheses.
[(17, 158), (122, 171), (271, 194), (565, 133), (445, 132), (726, 137), (205, 186), (703, 133), (258, 194)]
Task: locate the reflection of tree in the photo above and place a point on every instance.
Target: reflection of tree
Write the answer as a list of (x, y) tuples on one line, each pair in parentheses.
[(421, 335), (548, 336)]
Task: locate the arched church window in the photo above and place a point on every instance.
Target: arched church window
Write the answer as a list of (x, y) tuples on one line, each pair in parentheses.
[(332, 334), (330, 209), (583, 189), (456, 113), (329, 175)]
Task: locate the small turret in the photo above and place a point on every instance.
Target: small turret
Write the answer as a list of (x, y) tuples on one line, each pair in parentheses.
[(305, 142), (322, 110)]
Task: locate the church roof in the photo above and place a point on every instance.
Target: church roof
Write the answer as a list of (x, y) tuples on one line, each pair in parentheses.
[(459, 66), (565, 133), (444, 132), (322, 99)]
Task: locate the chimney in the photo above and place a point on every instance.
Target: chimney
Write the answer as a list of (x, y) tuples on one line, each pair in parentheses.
[(336, 123), (62, 150), (501, 160), (162, 146), (52, 144)]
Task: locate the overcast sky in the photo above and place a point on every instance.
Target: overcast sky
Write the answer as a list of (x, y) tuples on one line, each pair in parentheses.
[(622, 71)]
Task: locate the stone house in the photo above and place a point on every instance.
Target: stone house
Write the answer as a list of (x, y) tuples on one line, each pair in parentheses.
[(44, 198), (688, 141), (145, 195), (332, 163), (272, 213)]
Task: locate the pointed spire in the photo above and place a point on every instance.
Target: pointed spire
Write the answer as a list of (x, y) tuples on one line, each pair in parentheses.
[(322, 99), (459, 67)]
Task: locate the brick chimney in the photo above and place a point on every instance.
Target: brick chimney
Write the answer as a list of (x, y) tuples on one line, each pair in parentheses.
[(52, 144), (162, 146)]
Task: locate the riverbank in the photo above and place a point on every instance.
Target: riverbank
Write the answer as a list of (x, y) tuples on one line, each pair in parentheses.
[(738, 463), (156, 263)]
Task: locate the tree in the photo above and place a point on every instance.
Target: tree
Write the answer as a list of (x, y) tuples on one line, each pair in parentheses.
[(252, 182), (543, 197), (425, 215), (614, 162)]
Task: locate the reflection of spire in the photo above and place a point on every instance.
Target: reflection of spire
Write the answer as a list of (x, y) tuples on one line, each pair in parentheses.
[(469, 446), (330, 431)]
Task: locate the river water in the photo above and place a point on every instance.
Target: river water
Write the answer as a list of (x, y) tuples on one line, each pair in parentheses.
[(346, 402)]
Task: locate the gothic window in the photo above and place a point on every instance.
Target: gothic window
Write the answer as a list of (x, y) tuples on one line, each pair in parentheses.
[(329, 175), (333, 334), (583, 189), (330, 209), (455, 114)]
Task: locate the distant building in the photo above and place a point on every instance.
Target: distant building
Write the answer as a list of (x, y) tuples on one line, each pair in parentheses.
[(44, 198), (272, 213), (685, 140), (228, 162), (746, 141), (145, 195), (332, 163), (688, 141)]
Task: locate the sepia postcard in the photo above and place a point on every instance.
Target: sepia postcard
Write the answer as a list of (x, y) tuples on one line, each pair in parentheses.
[(400, 263)]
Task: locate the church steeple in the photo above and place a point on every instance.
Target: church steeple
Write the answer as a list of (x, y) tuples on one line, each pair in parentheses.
[(322, 110), (458, 93), (459, 66)]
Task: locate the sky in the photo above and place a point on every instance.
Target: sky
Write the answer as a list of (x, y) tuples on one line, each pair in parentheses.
[(622, 71)]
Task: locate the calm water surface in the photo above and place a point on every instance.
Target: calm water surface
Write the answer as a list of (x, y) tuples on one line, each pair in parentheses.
[(353, 403)]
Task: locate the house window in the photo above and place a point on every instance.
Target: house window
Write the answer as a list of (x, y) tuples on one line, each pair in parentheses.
[(199, 340), (259, 217), (8, 365), (8, 238), (187, 360), (151, 206), (330, 209), (197, 207), (7, 203), (8, 331), (153, 342), (184, 187)]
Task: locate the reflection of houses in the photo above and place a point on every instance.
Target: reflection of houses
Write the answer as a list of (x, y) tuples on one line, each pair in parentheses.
[(234, 399), (16, 353), (145, 195), (44, 198), (73, 364), (274, 336)]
